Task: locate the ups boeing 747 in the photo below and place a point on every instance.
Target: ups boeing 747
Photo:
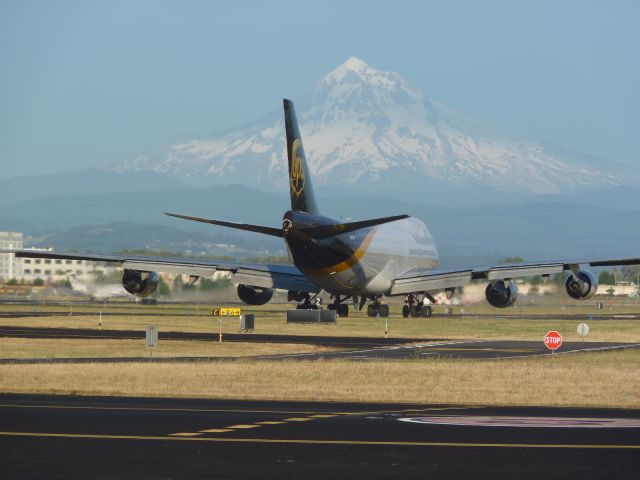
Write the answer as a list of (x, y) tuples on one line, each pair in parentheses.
[(354, 262)]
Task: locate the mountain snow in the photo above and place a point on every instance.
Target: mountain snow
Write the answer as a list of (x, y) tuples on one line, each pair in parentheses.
[(362, 126)]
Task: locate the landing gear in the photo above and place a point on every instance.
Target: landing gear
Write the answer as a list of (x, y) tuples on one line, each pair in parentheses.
[(377, 309), (342, 309), (414, 307), (307, 302)]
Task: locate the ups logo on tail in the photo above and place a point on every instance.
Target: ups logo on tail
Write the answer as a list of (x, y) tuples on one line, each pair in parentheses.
[(297, 168)]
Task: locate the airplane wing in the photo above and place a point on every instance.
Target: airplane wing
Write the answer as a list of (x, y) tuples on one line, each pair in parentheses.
[(420, 279), (286, 277)]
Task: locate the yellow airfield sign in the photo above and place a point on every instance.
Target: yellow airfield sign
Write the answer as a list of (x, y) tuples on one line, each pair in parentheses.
[(226, 312)]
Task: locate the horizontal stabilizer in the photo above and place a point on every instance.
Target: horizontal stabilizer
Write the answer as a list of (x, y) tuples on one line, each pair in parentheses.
[(274, 232), (326, 231)]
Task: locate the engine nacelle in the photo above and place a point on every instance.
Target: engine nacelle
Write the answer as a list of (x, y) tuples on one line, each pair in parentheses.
[(254, 295), (582, 286), (501, 295), (140, 284)]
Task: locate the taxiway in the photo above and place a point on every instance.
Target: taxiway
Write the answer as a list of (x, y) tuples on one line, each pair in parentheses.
[(88, 437)]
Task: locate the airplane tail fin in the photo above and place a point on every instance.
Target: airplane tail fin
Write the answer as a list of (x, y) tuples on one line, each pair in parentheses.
[(300, 187)]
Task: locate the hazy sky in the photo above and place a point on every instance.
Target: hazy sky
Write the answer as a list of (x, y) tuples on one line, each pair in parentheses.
[(84, 82)]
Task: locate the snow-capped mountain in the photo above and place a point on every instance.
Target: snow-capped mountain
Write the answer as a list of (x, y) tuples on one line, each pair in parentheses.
[(362, 126)]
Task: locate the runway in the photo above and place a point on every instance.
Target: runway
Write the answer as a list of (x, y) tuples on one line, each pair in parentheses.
[(92, 333), (85, 437), (348, 348)]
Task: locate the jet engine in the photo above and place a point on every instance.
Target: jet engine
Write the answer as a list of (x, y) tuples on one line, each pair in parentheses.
[(254, 295), (582, 285), (501, 294), (140, 284)]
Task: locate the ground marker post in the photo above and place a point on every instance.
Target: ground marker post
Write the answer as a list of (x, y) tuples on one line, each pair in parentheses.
[(151, 338)]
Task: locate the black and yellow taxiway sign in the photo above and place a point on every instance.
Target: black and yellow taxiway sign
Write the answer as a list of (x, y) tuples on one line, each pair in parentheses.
[(225, 312)]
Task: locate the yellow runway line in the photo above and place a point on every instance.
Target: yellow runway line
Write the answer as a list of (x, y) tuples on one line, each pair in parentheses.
[(319, 442)]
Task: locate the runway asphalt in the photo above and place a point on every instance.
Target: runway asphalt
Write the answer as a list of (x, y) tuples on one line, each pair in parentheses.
[(89, 437), (350, 348), (92, 333)]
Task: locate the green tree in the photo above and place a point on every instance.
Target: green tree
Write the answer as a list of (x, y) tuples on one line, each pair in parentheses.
[(207, 284), (535, 280), (511, 260), (606, 278), (11, 281), (38, 282), (560, 278), (163, 289)]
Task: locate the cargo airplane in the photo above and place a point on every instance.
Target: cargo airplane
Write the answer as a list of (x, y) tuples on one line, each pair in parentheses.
[(359, 262)]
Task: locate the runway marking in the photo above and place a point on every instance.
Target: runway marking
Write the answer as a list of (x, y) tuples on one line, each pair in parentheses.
[(222, 410), (242, 426), (579, 350), (323, 416), (507, 350), (270, 422), (524, 422), (216, 430), (298, 419), (318, 442), (185, 434), (152, 409)]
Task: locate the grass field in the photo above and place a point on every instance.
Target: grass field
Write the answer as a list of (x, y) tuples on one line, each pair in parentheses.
[(91, 348), (604, 380), (608, 379)]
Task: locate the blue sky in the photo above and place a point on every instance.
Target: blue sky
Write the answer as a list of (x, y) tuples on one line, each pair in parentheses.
[(87, 82)]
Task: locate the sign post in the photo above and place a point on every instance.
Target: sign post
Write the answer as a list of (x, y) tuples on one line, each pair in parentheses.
[(553, 340), (583, 330), (224, 312)]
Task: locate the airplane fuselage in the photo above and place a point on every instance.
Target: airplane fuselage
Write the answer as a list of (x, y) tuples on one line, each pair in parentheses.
[(361, 262)]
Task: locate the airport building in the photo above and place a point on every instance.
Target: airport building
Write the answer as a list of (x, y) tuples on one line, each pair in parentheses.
[(9, 265), (61, 269), (52, 270)]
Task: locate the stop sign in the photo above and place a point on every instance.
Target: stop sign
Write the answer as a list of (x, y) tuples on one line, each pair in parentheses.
[(553, 340)]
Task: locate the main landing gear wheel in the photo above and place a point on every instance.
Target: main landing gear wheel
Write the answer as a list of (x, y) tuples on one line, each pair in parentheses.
[(414, 311), (378, 309), (342, 309), (422, 311)]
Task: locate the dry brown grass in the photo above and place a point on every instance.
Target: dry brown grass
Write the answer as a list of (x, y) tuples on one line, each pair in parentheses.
[(79, 348), (604, 379)]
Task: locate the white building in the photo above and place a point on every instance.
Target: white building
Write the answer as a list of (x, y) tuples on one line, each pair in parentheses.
[(28, 269), (62, 269), (9, 265)]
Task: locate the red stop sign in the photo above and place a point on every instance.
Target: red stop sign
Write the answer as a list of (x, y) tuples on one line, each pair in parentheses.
[(553, 340)]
